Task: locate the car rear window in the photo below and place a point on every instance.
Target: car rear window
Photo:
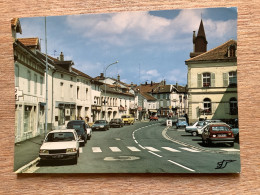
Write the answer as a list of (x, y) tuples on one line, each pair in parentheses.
[(59, 137), (220, 128)]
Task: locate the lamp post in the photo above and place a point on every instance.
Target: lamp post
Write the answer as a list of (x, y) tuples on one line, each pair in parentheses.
[(106, 86)]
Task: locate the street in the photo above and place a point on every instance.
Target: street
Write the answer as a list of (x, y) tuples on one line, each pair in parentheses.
[(147, 147)]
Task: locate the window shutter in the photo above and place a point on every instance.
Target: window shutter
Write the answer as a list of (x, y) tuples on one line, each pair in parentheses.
[(225, 79), (212, 82), (199, 81)]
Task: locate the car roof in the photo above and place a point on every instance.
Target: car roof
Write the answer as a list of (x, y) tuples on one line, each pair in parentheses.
[(218, 124), (62, 130), (76, 121), (182, 118)]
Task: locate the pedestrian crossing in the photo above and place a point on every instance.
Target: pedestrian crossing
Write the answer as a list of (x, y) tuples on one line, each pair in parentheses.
[(148, 148)]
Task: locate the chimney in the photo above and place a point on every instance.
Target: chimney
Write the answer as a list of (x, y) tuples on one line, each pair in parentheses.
[(145, 82), (118, 77), (132, 85), (151, 83), (176, 84), (102, 75), (164, 82), (61, 57)]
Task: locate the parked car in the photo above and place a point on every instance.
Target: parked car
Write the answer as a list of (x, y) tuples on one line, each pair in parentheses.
[(116, 122), (193, 129), (128, 119), (181, 122), (100, 125), (83, 130), (60, 145), (205, 122), (153, 118), (217, 133)]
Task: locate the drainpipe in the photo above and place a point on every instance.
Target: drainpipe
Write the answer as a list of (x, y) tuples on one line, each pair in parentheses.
[(52, 99)]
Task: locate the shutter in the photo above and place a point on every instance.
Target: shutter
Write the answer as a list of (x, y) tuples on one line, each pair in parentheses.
[(225, 79), (212, 82), (199, 81)]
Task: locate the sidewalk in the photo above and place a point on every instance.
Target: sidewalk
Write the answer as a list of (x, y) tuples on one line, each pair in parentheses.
[(27, 151)]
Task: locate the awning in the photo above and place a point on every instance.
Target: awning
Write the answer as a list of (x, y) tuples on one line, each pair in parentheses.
[(151, 110)]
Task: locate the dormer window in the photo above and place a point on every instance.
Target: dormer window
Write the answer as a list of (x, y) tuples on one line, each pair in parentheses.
[(232, 51)]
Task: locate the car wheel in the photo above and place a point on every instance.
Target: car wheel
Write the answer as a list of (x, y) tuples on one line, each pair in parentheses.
[(75, 160), (194, 133)]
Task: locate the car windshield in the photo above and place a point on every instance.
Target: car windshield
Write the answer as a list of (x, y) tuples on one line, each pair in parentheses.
[(220, 128), (200, 123), (100, 122), (60, 137), (182, 120)]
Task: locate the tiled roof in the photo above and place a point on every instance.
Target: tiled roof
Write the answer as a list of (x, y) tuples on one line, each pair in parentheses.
[(216, 54), (162, 89), (147, 87), (81, 73), (181, 89), (113, 90), (29, 42), (148, 96), (15, 23)]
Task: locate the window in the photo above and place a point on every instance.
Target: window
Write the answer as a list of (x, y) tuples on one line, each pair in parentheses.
[(78, 92), (35, 83), (71, 91), (232, 78), (61, 89), (16, 76), (206, 79), (41, 89), (86, 93), (207, 106), (61, 75), (29, 80), (233, 106)]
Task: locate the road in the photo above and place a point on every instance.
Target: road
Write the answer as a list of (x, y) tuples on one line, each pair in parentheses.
[(147, 147)]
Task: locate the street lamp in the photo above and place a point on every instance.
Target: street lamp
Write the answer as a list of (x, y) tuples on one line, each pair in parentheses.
[(106, 86)]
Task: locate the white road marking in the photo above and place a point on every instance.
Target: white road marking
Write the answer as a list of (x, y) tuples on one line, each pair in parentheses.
[(141, 146), (115, 149), (190, 150), (181, 165), (231, 150), (134, 149), (171, 149), (152, 149), (80, 150), (96, 149), (155, 154), (136, 141)]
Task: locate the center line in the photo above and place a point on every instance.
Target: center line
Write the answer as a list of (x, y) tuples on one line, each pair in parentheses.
[(155, 154), (181, 166)]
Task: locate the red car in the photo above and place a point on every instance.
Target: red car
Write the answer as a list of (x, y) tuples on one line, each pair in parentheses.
[(217, 133), (153, 118)]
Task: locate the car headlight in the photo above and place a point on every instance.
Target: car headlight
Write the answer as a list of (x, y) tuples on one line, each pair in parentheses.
[(44, 151), (71, 150)]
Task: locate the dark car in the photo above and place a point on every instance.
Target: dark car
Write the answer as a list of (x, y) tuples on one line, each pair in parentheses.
[(217, 133), (116, 122), (83, 130), (100, 125)]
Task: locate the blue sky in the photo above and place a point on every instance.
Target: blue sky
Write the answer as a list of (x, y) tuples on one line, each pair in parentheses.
[(150, 46)]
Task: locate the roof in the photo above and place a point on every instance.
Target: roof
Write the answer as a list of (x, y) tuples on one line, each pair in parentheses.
[(162, 89), (30, 42), (181, 89), (147, 87), (113, 90), (15, 22), (81, 73), (216, 54), (148, 96), (201, 32)]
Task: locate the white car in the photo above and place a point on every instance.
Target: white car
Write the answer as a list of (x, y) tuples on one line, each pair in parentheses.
[(60, 145), (193, 129)]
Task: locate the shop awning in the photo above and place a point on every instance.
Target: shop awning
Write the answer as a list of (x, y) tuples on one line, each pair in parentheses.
[(152, 110)]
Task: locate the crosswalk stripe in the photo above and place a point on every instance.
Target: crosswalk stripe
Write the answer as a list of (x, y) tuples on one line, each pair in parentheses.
[(115, 149), (171, 149), (190, 150), (134, 149), (152, 149), (96, 149)]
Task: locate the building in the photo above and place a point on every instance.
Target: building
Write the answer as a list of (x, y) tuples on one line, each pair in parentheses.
[(29, 86), (212, 80)]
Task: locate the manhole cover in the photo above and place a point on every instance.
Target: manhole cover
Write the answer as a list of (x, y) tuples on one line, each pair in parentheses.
[(121, 158)]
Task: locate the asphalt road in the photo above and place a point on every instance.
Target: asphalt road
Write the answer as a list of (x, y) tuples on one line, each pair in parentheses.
[(147, 147)]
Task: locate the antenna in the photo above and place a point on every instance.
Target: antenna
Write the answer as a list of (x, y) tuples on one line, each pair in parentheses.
[(54, 52)]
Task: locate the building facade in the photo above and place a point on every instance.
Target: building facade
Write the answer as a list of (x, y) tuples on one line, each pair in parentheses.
[(212, 82)]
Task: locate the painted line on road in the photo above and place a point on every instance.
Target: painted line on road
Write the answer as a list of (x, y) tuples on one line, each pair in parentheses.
[(28, 166), (134, 149), (171, 149), (152, 149), (155, 154), (96, 149), (141, 146), (189, 149), (181, 165), (115, 149)]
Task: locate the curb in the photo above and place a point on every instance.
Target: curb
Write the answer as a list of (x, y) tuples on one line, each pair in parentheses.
[(27, 166)]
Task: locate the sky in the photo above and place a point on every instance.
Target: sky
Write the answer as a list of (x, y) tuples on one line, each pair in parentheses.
[(149, 46)]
